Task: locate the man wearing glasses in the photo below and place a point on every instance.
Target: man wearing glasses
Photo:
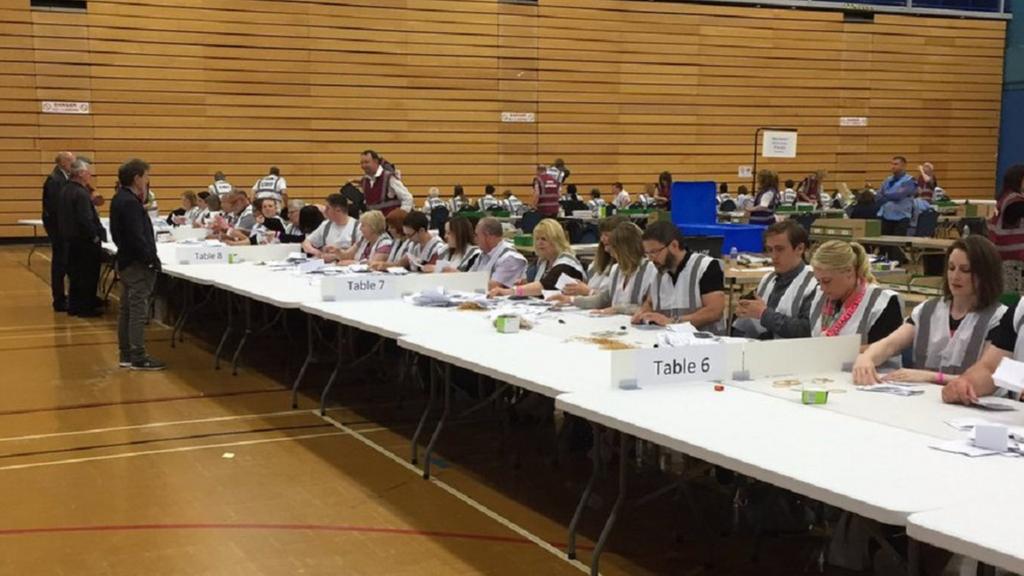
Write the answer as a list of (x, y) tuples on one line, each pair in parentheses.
[(690, 287)]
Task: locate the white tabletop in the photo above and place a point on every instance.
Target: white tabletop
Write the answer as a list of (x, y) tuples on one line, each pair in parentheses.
[(878, 471), (924, 414), (987, 528)]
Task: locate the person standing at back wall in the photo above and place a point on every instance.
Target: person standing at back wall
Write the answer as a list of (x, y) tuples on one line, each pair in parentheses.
[(82, 233), (137, 263), (51, 203)]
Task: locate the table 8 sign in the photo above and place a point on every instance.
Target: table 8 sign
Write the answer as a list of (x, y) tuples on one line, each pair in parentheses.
[(668, 365)]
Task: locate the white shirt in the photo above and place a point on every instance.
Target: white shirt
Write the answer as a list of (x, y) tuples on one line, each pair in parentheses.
[(270, 185), (397, 189), (622, 200), (330, 234)]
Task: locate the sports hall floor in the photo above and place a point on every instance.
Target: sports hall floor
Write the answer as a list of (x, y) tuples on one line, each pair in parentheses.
[(191, 471)]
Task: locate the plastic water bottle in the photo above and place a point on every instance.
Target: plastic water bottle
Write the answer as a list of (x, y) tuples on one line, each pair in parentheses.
[(966, 231), (733, 252)]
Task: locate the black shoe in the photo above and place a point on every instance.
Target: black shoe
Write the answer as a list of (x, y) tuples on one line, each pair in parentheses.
[(60, 306), (124, 361), (87, 313), (147, 363)]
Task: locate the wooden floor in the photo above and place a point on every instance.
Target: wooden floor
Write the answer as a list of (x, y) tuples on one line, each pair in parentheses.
[(192, 471)]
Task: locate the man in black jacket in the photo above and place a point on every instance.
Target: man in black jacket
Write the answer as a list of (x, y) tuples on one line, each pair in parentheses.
[(82, 233), (51, 205), (137, 263)]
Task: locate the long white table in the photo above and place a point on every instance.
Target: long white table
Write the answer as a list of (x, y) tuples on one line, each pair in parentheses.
[(986, 528)]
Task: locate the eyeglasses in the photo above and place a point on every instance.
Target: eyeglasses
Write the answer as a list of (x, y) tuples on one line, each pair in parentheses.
[(654, 252)]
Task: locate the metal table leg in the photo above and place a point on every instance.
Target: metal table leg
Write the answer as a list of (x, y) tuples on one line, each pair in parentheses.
[(587, 491), (440, 423), (227, 331), (310, 347), (247, 304), (426, 413), (613, 516), (186, 303), (334, 373)]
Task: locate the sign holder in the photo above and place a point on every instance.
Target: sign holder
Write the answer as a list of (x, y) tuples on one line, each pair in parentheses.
[(757, 133)]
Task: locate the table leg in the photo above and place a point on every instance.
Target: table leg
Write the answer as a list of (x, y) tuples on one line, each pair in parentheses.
[(245, 336), (913, 557), (614, 514), (186, 302), (440, 423), (334, 373), (35, 243), (587, 491), (310, 347), (227, 331), (426, 413)]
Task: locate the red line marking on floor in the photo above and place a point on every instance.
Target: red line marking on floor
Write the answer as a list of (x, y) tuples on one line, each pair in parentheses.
[(269, 526), (139, 401)]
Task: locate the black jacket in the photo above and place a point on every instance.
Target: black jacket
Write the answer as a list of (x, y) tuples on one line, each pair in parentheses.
[(51, 200), (132, 230), (77, 220)]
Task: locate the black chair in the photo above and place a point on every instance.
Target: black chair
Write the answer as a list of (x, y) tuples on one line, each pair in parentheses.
[(529, 221), (590, 234), (727, 206), (356, 200), (574, 230), (438, 218), (710, 245), (805, 220), (927, 222)]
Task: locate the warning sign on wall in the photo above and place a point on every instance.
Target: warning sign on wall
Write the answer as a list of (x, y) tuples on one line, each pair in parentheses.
[(65, 107)]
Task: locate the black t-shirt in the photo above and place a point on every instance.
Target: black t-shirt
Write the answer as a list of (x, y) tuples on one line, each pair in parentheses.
[(713, 279), (1004, 336), (890, 320), (550, 278)]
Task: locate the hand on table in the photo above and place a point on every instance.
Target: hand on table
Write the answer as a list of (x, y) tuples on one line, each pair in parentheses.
[(864, 372), (560, 299), (576, 289), (499, 291), (959, 391), (651, 318)]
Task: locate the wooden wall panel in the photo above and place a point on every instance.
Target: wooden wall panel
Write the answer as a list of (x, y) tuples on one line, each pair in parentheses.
[(621, 90)]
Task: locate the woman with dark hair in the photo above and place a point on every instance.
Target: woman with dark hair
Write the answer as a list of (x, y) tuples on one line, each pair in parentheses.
[(460, 254), (864, 208), (310, 218), (948, 333), (1006, 228), (663, 195), (767, 199)]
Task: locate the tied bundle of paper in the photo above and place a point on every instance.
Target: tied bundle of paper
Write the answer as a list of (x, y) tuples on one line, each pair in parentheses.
[(434, 297)]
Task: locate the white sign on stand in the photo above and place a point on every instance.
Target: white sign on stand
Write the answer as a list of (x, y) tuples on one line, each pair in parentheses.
[(778, 144), (201, 254), (669, 365), (359, 287)]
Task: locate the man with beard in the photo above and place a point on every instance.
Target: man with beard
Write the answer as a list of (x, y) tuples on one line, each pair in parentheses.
[(690, 287)]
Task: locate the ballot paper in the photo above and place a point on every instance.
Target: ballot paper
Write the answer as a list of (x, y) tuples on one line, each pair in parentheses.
[(442, 265), (397, 271), (894, 389), (681, 328), (1010, 375), (564, 280), (962, 446), (993, 405), (311, 265)]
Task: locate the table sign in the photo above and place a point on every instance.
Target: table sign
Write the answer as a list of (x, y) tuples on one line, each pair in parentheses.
[(201, 254)]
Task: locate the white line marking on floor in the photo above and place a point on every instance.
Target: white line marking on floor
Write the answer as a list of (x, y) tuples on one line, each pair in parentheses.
[(461, 496), (149, 425), (178, 449)]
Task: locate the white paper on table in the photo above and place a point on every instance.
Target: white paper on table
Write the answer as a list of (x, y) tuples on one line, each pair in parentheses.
[(961, 446), (442, 265), (681, 328), (993, 404), (1010, 375), (966, 424), (549, 293), (397, 271), (564, 280), (894, 389), (296, 256)]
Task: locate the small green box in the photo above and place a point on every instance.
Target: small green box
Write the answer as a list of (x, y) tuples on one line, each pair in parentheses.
[(523, 240), (814, 396)]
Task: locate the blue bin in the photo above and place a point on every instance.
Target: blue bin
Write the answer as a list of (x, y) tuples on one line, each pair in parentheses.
[(743, 237)]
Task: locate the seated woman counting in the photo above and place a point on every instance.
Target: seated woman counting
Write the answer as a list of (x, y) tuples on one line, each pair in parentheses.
[(399, 243), (847, 300), (690, 287), (554, 258), (459, 253), (948, 334), (977, 381), (630, 280), (269, 228), (426, 249), (599, 271), (375, 243)]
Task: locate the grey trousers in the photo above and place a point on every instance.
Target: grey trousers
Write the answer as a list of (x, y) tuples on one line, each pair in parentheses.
[(136, 288)]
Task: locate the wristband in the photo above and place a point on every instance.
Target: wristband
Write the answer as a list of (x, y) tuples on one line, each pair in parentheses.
[(518, 290), (941, 379)]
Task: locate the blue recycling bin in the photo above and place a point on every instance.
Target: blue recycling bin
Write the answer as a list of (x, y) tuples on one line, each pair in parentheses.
[(695, 212)]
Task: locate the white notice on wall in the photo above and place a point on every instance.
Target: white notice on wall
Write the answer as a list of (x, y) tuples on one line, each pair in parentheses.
[(669, 365), (518, 117), (778, 144), (745, 172), (65, 107), (853, 121)]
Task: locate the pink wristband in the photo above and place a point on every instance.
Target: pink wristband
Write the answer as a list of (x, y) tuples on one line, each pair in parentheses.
[(518, 290), (942, 379)]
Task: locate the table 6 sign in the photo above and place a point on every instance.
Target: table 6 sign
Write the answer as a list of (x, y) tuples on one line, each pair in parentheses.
[(668, 365)]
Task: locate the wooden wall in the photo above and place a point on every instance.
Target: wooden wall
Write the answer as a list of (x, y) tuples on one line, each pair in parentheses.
[(622, 90)]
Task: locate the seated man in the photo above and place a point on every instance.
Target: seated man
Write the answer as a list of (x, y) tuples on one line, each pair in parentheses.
[(977, 380), (504, 265), (690, 287), (336, 233), (775, 309)]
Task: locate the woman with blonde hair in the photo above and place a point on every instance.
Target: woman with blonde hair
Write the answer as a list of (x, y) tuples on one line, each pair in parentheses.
[(554, 258), (847, 300), (375, 244), (631, 276)]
